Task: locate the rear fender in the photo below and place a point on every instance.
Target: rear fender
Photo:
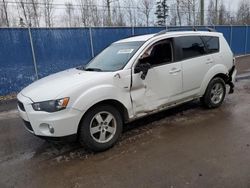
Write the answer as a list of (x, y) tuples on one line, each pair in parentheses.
[(213, 71)]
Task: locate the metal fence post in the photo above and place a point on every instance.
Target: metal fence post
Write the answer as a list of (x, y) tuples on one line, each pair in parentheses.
[(33, 52), (231, 35), (91, 42), (214, 26), (246, 39), (133, 30)]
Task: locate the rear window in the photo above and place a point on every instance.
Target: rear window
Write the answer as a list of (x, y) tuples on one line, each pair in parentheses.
[(212, 43), (190, 46)]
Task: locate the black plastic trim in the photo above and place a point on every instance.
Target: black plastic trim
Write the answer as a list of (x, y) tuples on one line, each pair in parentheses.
[(69, 138), (28, 125), (21, 106)]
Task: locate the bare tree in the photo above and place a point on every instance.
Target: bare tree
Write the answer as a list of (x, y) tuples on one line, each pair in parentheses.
[(131, 12), (118, 19), (216, 11), (230, 15), (243, 12), (145, 7), (202, 16), (29, 12), (4, 14), (189, 8), (179, 13), (70, 11), (108, 5), (95, 14), (36, 14), (173, 15), (194, 5), (84, 12), (222, 14), (24, 13), (89, 13), (211, 18), (48, 10)]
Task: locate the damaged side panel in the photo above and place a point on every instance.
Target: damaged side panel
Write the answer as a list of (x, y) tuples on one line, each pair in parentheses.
[(142, 96), (158, 89)]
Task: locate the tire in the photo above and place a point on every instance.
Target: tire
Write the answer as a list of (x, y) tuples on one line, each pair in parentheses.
[(215, 93), (100, 128)]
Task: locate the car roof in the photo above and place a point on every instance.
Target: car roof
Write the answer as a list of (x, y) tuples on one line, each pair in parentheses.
[(167, 34), (136, 38)]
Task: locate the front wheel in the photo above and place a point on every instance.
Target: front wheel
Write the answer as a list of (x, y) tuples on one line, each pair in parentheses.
[(215, 93), (100, 128)]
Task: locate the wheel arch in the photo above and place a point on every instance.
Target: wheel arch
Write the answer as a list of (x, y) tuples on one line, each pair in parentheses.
[(112, 102), (218, 70), (223, 76)]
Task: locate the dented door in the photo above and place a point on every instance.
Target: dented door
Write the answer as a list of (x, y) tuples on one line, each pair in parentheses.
[(161, 85)]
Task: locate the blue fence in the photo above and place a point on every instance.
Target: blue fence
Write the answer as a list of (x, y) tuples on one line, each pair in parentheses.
[(62, 48)]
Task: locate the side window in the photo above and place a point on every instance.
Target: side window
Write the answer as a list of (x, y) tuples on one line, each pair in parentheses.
[(212, 43), (190, 46), (159, 53)]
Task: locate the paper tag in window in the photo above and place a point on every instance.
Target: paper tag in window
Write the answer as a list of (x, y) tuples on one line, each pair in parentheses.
[(125, 51)]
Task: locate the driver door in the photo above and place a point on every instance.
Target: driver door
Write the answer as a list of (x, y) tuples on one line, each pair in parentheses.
[(162, 83)]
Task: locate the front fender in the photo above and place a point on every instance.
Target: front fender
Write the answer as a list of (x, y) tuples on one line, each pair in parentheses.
[(216, 69), (101, 93)]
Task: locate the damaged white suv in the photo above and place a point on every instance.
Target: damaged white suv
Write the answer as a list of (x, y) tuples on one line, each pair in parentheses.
[(131, 78)]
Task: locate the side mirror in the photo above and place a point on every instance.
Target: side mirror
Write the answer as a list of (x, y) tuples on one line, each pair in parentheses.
[(142, 67)]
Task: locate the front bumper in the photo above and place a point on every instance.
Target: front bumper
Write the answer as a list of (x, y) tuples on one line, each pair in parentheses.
[(63, 123)]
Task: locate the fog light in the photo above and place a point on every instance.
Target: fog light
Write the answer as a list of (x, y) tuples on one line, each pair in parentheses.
[(46, 128), (51, 129)]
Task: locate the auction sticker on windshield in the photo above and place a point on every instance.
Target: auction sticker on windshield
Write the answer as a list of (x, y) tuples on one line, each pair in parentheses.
[(125, 51)]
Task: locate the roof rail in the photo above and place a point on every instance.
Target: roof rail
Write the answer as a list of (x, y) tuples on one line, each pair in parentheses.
[(182, 29), (194, 29), (162, 32), (210, 29)]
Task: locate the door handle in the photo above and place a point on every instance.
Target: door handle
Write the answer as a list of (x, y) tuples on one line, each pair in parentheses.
[(174, 70)]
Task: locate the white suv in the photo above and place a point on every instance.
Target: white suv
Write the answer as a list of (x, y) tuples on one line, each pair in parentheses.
[(131, 78)]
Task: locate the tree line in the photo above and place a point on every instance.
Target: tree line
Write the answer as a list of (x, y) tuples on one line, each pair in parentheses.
[(85, 13)]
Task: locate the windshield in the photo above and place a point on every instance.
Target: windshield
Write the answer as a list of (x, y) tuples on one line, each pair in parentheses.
[(114, 57)]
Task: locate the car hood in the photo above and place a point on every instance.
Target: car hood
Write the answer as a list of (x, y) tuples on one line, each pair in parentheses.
[(50, 87)]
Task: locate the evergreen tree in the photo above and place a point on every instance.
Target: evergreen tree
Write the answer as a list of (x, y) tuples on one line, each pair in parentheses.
[(161, 12)]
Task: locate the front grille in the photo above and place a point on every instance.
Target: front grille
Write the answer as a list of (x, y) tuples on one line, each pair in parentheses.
[(28, 125), (21, 106)]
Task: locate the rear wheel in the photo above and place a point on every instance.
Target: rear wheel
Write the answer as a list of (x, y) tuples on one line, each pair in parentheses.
[(100, 128), (215, 93)]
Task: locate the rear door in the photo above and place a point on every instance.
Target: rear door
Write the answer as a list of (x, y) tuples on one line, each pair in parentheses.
[(196, 62)]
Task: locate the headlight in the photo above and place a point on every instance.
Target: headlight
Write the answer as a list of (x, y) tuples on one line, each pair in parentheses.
[(52, 105)]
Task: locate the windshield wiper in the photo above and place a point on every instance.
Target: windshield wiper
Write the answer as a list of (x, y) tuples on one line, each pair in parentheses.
[(93, 69), (80, 68), (89, 69)]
